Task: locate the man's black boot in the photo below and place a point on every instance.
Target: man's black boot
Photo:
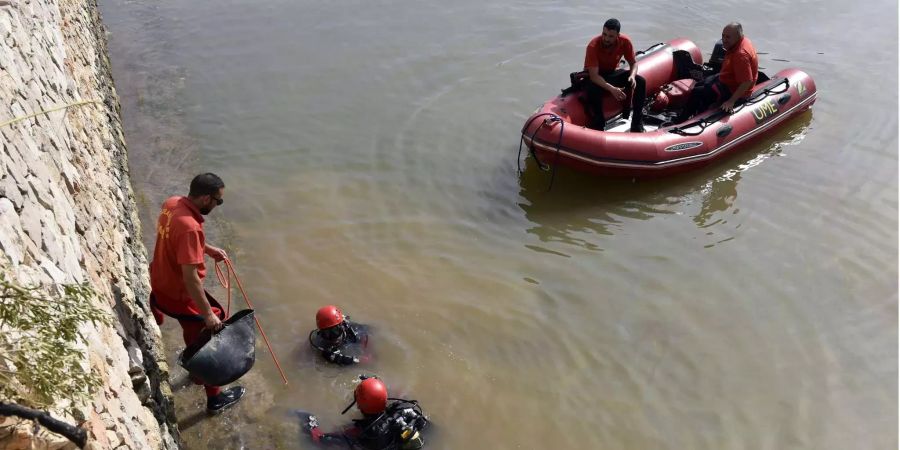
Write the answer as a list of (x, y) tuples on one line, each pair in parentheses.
[(225, 399)]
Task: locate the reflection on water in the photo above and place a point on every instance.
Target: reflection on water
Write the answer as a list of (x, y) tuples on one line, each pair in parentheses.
[(579, 204)]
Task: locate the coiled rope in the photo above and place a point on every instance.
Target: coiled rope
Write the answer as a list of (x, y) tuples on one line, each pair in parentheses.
[(225, 279), (548, 121)]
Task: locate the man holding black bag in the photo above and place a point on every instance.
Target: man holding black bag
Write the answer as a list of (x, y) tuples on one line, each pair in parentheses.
[(177, 272)]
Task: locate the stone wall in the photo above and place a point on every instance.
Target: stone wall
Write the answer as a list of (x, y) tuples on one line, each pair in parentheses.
[(67, 213)]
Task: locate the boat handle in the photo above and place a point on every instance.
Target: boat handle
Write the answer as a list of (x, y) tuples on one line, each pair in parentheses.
[(724, 131), (652, 47)]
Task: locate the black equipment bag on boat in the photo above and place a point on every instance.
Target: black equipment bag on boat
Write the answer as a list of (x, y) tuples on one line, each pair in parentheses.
[(577, 82), (685, 67)]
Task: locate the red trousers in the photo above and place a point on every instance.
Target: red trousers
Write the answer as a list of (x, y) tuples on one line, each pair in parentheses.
[(191, 327), (190, 330)]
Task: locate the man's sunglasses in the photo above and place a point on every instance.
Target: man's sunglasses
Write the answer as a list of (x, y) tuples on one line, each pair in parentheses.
[(218, 200)]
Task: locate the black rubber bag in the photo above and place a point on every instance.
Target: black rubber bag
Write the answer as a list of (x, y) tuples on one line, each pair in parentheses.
[(221, 358)]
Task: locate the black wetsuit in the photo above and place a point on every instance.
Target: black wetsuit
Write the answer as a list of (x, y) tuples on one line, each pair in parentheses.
[(367, 433), (381, 431), (347, 349)]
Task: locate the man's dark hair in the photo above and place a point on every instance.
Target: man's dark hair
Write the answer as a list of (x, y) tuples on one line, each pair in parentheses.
[(206, 184), (613, 24)]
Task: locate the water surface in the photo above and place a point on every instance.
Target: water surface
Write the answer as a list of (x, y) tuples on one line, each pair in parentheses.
[(369, 152)]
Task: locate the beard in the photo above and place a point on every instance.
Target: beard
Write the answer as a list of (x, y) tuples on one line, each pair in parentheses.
[(205, 210)]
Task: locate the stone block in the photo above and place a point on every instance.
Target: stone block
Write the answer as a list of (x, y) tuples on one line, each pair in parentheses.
[(9, 189), (113, 438), (57, 275), (10, 242), (30, 217)]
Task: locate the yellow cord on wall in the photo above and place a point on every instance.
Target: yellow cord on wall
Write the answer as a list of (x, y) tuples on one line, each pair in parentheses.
[(47, 111)]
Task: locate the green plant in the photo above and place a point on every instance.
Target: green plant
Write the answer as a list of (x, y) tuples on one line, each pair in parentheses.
[(39, 361)]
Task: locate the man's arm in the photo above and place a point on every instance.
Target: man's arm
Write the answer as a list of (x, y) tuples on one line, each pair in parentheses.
[(632, 71), (743, 70), (728, 106), (310, 424), (195, 289), (215, 253), (337, 357), (631, 59), (594, 73)]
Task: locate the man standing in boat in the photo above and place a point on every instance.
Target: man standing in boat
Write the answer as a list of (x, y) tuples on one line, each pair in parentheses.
[(177, 272), (734, 82), (601, 61)]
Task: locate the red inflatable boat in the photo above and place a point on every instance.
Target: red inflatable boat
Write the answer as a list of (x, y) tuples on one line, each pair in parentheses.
[(556, 132)]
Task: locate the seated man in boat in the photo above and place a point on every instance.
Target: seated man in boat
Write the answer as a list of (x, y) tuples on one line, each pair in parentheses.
[(601, 61), (384, 426), (338, 339), (734, 82)]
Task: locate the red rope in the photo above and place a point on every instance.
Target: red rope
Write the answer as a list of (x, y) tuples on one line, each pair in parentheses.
[(226, 283)]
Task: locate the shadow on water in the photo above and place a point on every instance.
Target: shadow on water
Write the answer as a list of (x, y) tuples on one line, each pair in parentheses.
[(580, 202), (187, 422)]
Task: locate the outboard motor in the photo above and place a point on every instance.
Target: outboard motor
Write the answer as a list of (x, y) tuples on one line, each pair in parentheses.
[(717, 57)]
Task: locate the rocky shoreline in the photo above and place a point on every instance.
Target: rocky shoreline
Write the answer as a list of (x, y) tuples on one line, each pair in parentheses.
[(68, 215)]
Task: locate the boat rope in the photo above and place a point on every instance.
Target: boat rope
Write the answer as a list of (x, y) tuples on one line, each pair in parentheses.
[(522, 140), (225, 280), (548, 121), (47, 111)]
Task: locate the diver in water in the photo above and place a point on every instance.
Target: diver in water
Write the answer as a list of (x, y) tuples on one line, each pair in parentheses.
[(338, 339), (387, 423)]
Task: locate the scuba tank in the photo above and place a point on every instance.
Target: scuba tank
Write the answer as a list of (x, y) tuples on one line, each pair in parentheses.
[(410, 421), (397, 428)]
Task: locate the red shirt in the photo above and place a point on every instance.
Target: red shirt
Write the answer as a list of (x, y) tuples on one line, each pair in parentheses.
[(740, 65), (607, 59), (179, 240)]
